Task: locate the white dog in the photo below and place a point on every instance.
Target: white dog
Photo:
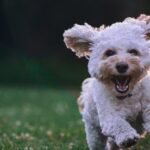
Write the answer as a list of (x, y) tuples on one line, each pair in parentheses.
[(119, 88)]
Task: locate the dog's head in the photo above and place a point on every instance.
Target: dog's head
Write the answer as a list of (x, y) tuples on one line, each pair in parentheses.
[(119, 55)]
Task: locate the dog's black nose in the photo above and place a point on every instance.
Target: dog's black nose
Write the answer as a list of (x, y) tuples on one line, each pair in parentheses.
[(122, 67)]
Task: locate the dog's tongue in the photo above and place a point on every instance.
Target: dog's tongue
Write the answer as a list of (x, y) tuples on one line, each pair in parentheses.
[(122, 88), (121, 83)]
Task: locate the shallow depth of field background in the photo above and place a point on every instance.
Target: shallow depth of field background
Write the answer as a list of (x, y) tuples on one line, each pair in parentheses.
[(40, 78)]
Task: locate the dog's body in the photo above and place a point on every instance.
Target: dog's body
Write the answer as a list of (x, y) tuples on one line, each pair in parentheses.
[(113, 113), (119, 88)]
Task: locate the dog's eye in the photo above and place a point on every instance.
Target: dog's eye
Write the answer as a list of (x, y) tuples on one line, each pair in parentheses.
[(133, 52), (110, 53)]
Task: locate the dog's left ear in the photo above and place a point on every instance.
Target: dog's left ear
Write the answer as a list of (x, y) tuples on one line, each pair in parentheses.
[(146, 19), (79, 39)]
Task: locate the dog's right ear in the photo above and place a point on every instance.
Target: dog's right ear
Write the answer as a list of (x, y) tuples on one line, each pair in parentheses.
[(79, 39)]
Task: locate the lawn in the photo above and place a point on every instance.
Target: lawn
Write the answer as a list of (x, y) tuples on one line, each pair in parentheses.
[(40, 119), (43, 119)]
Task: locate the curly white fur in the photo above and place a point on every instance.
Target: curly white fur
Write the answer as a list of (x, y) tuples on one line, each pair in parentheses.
[(108, 118)]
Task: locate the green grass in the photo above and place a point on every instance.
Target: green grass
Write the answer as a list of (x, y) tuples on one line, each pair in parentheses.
[(43, 119), (40, 119)]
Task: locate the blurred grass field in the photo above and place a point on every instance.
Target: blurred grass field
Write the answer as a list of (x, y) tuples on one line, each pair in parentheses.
[(40, 119), (43, 119)]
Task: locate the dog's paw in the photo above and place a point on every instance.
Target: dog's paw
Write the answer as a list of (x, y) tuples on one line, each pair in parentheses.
[(127, 140)]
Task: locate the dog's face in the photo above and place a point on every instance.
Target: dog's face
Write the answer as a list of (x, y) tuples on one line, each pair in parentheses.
[(118, 68), (119, 55)]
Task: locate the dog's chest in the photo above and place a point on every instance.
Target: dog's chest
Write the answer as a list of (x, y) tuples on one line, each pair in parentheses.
[(130, 107)]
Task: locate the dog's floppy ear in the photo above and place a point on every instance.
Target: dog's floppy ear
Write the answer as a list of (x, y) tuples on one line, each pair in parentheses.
[(146, 19), (79, 39)]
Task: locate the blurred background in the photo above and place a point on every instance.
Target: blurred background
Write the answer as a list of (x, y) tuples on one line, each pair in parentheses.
[(32, 51)]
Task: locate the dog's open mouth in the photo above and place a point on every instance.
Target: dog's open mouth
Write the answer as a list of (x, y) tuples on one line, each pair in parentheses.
[(121, 83)]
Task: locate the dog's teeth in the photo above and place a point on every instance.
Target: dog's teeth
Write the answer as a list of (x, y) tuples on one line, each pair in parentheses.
[(122, 88)]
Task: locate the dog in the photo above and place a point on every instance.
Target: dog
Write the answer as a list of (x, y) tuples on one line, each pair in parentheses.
[(118, 90)]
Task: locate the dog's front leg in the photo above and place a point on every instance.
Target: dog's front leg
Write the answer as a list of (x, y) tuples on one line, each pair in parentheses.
[(118, 128), (146, 116), (95, 140), (145, 104)]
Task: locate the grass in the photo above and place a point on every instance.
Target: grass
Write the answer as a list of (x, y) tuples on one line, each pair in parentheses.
[(43, 119), (40, 119)]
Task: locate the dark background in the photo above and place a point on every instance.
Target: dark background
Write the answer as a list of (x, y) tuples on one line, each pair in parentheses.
[(32, 51)]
